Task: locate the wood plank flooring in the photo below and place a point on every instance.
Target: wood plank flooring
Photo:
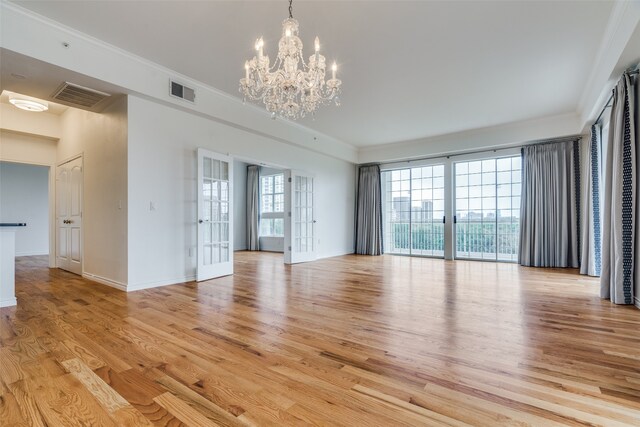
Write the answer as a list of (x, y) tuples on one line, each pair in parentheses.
[(346, 341)]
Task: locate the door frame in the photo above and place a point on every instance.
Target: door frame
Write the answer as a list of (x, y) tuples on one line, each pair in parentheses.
[(55, 210)]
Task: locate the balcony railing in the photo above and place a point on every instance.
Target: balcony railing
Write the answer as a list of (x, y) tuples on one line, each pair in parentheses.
[(475, 239)]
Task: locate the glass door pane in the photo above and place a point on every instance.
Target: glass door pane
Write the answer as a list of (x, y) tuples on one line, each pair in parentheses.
[(487, 205), (414, 211)]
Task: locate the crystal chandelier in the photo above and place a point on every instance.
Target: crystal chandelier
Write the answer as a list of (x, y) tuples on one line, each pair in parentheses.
[(291, 88)]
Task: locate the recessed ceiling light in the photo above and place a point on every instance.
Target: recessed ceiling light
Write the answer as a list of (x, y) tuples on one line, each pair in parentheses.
[(29, 104)]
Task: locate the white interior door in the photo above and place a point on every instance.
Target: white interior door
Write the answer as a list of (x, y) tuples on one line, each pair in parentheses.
[(299, 221), (69, 216), (215, 215)]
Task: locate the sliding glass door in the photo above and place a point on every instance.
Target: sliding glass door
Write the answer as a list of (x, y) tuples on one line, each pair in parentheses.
[(413, 209), (487, 206)]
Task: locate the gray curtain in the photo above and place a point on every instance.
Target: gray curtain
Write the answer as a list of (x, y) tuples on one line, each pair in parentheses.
[(619, 216), (253, 208), (591, 189), (549, 205), (369, 211)]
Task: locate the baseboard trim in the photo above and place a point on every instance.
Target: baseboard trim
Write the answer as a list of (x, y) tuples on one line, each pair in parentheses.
[(8, 302), (31, 253), (160, 283), (104, 281), (637, 300)]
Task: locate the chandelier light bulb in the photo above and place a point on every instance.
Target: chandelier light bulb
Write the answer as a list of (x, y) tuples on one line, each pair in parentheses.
[(317, 44), (334, 68), (288, 32), (259, 46)]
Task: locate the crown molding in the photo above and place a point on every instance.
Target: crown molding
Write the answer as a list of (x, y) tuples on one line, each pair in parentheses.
[(489, 138)]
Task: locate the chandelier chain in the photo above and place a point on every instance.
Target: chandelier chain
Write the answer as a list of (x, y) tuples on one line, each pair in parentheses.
[(291, 9)]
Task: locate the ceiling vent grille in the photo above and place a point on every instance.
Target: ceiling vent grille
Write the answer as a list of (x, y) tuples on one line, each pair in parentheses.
[(78, 95), (183, 92)]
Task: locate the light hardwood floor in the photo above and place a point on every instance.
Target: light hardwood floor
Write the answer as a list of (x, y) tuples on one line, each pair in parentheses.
[(373, 341)]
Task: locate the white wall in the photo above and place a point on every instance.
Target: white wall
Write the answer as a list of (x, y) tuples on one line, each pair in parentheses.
[(41, 124), (162, 169), (102, 140), (24, 197), (240, 206), (21, 148)]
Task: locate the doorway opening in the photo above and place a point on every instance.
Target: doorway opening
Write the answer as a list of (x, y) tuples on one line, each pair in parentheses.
[(283, 211), (24, 198)]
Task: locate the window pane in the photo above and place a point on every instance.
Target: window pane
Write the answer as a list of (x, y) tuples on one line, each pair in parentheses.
[(264, 184), (267, 203), (278, 227), (278, 203), (503, 164), (475, 167), (279, 183)]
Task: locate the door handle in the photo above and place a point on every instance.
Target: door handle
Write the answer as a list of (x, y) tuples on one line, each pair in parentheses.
[(200, 221)]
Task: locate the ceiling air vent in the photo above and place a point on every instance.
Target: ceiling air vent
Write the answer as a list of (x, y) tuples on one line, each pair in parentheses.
[(78, 95), (183, 92)]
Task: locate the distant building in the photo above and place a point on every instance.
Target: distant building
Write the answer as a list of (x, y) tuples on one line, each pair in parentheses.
[(423, 213), (401, 209)]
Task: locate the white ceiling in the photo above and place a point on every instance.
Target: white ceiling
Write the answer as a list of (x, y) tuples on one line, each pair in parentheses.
[(410, 69)]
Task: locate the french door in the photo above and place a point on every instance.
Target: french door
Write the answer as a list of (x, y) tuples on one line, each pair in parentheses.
[(299, 220), (69, 216), (414, 210), (215, 215), (487, 205), (464, 207)]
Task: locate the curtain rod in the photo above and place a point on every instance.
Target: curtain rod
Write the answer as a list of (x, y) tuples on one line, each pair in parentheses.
[(608, 103), (487, 150)]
